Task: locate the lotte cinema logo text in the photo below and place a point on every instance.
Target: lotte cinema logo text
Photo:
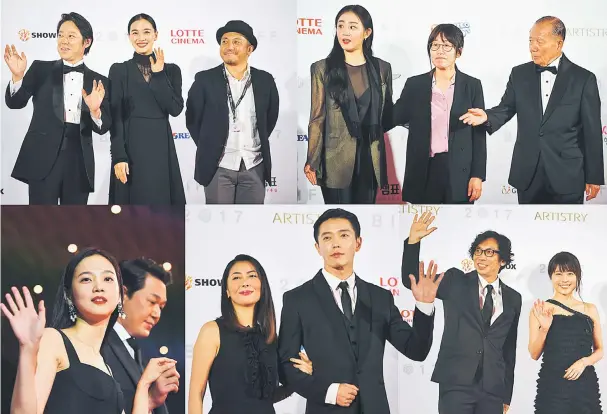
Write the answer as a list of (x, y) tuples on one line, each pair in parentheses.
[(187, 36), (309, 26)]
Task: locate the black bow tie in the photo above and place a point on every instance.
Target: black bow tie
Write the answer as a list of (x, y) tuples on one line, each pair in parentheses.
[(540, 69), (67, 69)]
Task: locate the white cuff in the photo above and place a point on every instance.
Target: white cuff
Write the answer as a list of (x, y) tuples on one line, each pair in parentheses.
[(427, 308), (15, 86), (97, 121), (331, 397)]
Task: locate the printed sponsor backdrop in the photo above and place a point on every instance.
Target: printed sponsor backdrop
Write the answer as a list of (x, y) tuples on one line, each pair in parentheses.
[(186, 32), (281, 238), (496, 40)]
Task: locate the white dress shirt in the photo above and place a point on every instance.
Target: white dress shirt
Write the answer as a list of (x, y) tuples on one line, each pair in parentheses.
[(124, 336), (244, 144), (547, 80), (334, 281), (72, 95), (498, 304)]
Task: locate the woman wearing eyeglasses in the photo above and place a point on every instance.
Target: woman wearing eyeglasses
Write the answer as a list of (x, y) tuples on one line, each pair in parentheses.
[(446, 159)]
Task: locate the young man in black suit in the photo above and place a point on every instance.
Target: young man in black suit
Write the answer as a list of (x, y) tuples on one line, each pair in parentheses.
[(475, 365), (231, 112), (343, 324), (145, 296), (558, 153), (56, 159)]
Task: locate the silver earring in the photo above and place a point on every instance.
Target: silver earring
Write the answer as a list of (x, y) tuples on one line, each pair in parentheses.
[(121, 313), (71, 310)]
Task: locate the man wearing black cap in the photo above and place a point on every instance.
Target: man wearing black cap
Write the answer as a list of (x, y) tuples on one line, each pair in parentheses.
[(231, 111), (56, 159)]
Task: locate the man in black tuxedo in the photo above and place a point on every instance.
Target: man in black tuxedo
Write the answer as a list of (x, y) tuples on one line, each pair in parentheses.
[(145, 296), (343, 323), (475, 366), (231, 112), (56, 159), (559, 148)]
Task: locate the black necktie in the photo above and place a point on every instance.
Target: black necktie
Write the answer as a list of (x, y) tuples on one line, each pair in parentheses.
[(346, 300), (541, 69), (67, 69), (135, 345), (488, 307)]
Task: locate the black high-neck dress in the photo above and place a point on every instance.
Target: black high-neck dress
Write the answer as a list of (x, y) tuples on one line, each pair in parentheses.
[(244, 375), (141, 134)]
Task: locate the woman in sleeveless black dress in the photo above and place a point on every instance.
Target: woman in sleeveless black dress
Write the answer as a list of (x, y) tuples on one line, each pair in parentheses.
[(568, 334), (143, 95), (61, 368), (237, 353)]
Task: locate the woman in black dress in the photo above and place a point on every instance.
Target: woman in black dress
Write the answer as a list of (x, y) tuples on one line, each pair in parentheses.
[(144, 92), (61, 370), (237, 353), (567, 331), (350, 110)]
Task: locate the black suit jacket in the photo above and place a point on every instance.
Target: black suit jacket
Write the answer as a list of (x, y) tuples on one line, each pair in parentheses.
[(207, 118), (124, 370), (465, 341), (467, 144), (310, 317), (43, 82), (568, 135)]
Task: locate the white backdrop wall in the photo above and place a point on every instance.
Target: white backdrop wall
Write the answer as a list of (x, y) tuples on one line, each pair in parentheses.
[(496, 40), (281, 238), (272, 22)]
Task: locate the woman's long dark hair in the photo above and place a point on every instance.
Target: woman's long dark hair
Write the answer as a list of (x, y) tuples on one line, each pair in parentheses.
[(61, 317), (336, 72), (264, 314)]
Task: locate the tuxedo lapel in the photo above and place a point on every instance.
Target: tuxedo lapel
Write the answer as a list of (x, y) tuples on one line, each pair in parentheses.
[(87, 85), (560, 86), (333, 313), (534, 91), (57, 80), (123, 356), (363, 313)]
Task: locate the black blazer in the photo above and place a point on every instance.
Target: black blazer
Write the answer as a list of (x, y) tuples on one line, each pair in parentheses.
[(44, 83), (465, 341), (568, 135), (467, 144), (124, 370), (207, 118), (310, 317)]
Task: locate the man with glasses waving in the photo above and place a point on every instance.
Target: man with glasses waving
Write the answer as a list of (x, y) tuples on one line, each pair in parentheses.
[(475, 365)]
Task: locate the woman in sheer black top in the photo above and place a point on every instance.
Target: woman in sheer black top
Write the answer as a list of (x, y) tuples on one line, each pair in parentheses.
[(144, 92)]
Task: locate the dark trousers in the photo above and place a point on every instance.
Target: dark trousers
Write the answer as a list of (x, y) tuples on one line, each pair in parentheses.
[(363, 186), (468, 399), (67, 181), (438, 186), (541, 192)]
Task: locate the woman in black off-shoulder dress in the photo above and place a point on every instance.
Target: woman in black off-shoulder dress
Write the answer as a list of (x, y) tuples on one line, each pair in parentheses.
[(144, 92), (236, 354), (567, 332)]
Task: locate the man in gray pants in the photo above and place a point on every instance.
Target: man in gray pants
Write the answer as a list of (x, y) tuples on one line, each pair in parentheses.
[(231, 111)]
